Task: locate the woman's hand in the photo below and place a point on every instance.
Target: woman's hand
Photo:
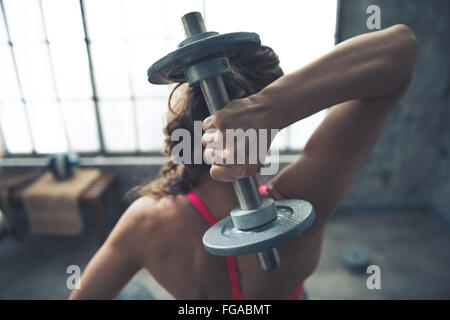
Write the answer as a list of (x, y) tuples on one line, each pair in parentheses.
[(237, 139)]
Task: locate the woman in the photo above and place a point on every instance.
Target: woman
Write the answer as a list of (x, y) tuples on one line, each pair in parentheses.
[(362, 79)]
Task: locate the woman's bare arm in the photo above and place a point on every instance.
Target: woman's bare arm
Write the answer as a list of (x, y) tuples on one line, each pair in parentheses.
[(120, 257), (335, 153), (363, 78), (368, 66)]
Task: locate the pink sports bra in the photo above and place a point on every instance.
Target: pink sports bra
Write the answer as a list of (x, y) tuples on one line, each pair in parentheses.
[(233, 272)]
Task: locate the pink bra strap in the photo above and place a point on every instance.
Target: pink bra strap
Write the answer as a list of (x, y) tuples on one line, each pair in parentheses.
[(233, 272), (233, 275), (198, 204)]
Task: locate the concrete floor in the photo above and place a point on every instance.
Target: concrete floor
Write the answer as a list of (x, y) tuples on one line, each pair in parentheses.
[(412, 250)]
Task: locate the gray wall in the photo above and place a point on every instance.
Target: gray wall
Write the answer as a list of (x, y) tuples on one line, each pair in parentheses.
[(410, 165)]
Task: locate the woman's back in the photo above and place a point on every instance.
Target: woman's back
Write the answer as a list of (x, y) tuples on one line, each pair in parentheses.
[(182, 265)]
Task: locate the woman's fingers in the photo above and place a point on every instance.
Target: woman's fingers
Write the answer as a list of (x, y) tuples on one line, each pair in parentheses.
[(209, 122), (210, 137), (218, 156), (223, 173), (229, 162), (232, 173), (210, 155), (230, 145)]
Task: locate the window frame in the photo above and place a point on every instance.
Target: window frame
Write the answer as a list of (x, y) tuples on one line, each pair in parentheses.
[(102, 151)]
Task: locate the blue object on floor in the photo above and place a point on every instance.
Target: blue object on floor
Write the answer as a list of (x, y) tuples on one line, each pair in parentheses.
[(135, 290), (305, 295), (355, 260)]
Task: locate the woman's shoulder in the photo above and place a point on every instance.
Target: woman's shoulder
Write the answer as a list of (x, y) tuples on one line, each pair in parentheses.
[(139, 221), (149, 224), (146, 214), (141, 213)]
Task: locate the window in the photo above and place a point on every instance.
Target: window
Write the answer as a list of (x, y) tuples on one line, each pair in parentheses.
[(73, 72)]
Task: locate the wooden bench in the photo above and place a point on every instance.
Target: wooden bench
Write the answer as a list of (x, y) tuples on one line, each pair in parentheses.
[(91, 198)]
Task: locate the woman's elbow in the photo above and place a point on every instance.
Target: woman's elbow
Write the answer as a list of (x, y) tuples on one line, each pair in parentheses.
[(406, 49)]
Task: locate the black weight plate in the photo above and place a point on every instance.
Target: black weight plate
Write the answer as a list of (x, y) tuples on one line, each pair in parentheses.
[(294, 217), (235, 46)]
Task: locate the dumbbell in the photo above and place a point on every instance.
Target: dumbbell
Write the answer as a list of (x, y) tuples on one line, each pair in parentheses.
[(63, 165), (257, 225)]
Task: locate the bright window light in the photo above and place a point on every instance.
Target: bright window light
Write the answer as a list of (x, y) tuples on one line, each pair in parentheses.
[(298, 31), (68, 51), (24, 20), (63, 21), (15, 128), (71, 70), (46, 125), (140, 54), (3, 34), (50, 89), (34, 69), (9, 89), (111, 70), (105, 20), (81, 127), (151, 116), (118, 124), (145, 19)]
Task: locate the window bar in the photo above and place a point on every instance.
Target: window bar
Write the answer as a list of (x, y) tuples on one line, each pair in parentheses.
[(337, 32), (135, 123), (92, 76), (52, 71), (3, 149), (19, 84)]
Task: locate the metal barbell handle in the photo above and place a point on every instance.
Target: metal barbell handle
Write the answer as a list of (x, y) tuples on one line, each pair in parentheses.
[(216, 97)]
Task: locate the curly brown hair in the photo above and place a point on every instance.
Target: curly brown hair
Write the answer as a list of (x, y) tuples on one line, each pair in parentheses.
[(247, 77)]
